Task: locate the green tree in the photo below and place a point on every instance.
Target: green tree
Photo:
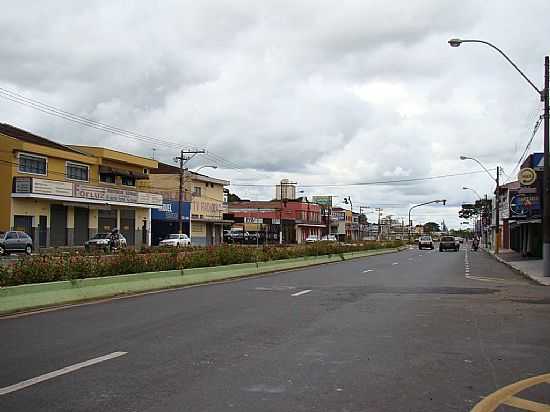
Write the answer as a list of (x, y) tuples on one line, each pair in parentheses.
[(431, 227)]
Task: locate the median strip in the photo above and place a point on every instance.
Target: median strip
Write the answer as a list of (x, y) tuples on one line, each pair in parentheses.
[(59, 372)]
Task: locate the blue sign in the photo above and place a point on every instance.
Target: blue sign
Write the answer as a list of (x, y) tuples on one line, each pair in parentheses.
[(169, 211), (525, 205)]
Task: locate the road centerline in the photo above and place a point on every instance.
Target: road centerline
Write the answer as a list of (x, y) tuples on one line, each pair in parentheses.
[(302, 292), (50, 375)]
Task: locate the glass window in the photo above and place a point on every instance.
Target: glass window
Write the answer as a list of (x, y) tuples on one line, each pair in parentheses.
[(11, 235), (128, 181), (32, 164), (197, 191), (77, 172), (107, 178)]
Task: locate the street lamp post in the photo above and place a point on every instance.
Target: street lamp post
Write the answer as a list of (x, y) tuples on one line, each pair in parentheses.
[(497, 199), (544, 97), (422, 204), (481, 200)]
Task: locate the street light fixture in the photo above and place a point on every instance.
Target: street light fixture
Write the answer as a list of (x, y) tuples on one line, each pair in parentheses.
[(473, 190), (422, 204), (497, 201), (544, 97)]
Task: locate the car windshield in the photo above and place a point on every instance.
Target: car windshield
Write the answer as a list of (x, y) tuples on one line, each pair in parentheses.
[(173, 237), (447, 239), (101, 236), (425, 238)]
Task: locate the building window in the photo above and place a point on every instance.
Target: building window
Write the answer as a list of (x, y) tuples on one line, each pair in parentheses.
[(75, 171), (33, 164), (197, 191), (107, 178), (145, 171), (128, 181)]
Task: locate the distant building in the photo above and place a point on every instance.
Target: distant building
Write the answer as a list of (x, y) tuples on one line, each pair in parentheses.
[(285, 190)]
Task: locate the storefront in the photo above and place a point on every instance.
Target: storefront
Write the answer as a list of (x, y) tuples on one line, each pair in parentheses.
[(58, 213), (165, 220)]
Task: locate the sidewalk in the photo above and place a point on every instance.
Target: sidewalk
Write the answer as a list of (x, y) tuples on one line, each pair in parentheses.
[(528, 267)]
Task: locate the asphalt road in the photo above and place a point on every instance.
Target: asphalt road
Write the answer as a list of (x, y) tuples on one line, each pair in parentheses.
[(409, 331)]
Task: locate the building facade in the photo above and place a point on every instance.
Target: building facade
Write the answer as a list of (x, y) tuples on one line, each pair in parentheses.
[(295, 219), (203, 205), (62, 195)]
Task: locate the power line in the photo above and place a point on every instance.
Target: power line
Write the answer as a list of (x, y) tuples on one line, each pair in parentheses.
[(379, 182), (533, 134), (84, 121)]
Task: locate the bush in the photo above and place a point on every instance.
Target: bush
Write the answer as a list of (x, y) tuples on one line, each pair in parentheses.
[(49, 268)]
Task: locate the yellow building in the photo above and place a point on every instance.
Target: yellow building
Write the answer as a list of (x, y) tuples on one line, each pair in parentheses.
[(204, 202), (62, 195)]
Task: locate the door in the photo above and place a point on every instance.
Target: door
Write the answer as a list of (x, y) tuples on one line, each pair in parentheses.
[(81, 219), (43, 231), (128, 225), (106, 220), (58, 225), (209, 234), (24, 224)]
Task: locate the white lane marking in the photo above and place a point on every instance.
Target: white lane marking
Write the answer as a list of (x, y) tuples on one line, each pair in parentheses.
[(368, 270), (395, 263), (59, 372), (303, 292)]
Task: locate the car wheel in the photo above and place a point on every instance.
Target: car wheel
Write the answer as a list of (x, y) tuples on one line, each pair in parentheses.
[(28, 249)]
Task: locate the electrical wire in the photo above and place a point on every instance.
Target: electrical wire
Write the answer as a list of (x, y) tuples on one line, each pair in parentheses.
[(533, 134), (378, 182)]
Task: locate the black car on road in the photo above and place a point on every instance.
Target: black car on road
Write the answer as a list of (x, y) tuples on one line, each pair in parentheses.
[(448, 243), (15, 241)]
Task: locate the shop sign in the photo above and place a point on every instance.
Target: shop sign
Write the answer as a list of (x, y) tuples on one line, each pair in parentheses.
[(109, 194), (23, 185), (52, 187), (149, 198), (275, 221), (525, 205), (169, 211), (527, 176), (254, 220), (201, 207)]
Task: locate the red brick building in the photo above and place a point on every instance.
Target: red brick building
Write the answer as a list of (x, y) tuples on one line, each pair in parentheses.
[(297, 218)]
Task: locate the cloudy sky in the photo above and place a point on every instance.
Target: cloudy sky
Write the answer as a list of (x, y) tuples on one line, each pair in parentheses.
[(320, 92)]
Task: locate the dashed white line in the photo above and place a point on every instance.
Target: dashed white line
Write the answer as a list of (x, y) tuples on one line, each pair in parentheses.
[(59, 372), (368, 270), (395, 263), (303, 292)]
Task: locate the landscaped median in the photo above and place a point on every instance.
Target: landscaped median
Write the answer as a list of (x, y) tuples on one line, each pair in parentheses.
[(38, 295)]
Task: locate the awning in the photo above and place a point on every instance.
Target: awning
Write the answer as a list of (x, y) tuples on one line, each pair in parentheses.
[(310, 225)]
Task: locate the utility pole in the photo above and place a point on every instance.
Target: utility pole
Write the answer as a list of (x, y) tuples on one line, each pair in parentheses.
[(379, 210), (546, 194), (497, 213), (183, 158)]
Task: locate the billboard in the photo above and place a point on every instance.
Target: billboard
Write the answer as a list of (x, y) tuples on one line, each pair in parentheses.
[(323, 201), (169, 211)]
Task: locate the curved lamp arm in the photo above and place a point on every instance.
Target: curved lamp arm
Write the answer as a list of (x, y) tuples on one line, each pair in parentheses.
[(458, 42)]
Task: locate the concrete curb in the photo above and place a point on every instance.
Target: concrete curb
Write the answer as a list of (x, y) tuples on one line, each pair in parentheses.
[(40, 295), (532, 277)]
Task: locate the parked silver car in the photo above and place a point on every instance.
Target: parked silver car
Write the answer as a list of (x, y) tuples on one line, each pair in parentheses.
[(15, 241)]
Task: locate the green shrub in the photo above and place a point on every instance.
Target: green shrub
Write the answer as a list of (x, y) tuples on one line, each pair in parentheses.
[(49, 268)]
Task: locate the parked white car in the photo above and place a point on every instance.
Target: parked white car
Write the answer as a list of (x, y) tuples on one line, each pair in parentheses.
[(329, 238), (312, 239), (176, 240)]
